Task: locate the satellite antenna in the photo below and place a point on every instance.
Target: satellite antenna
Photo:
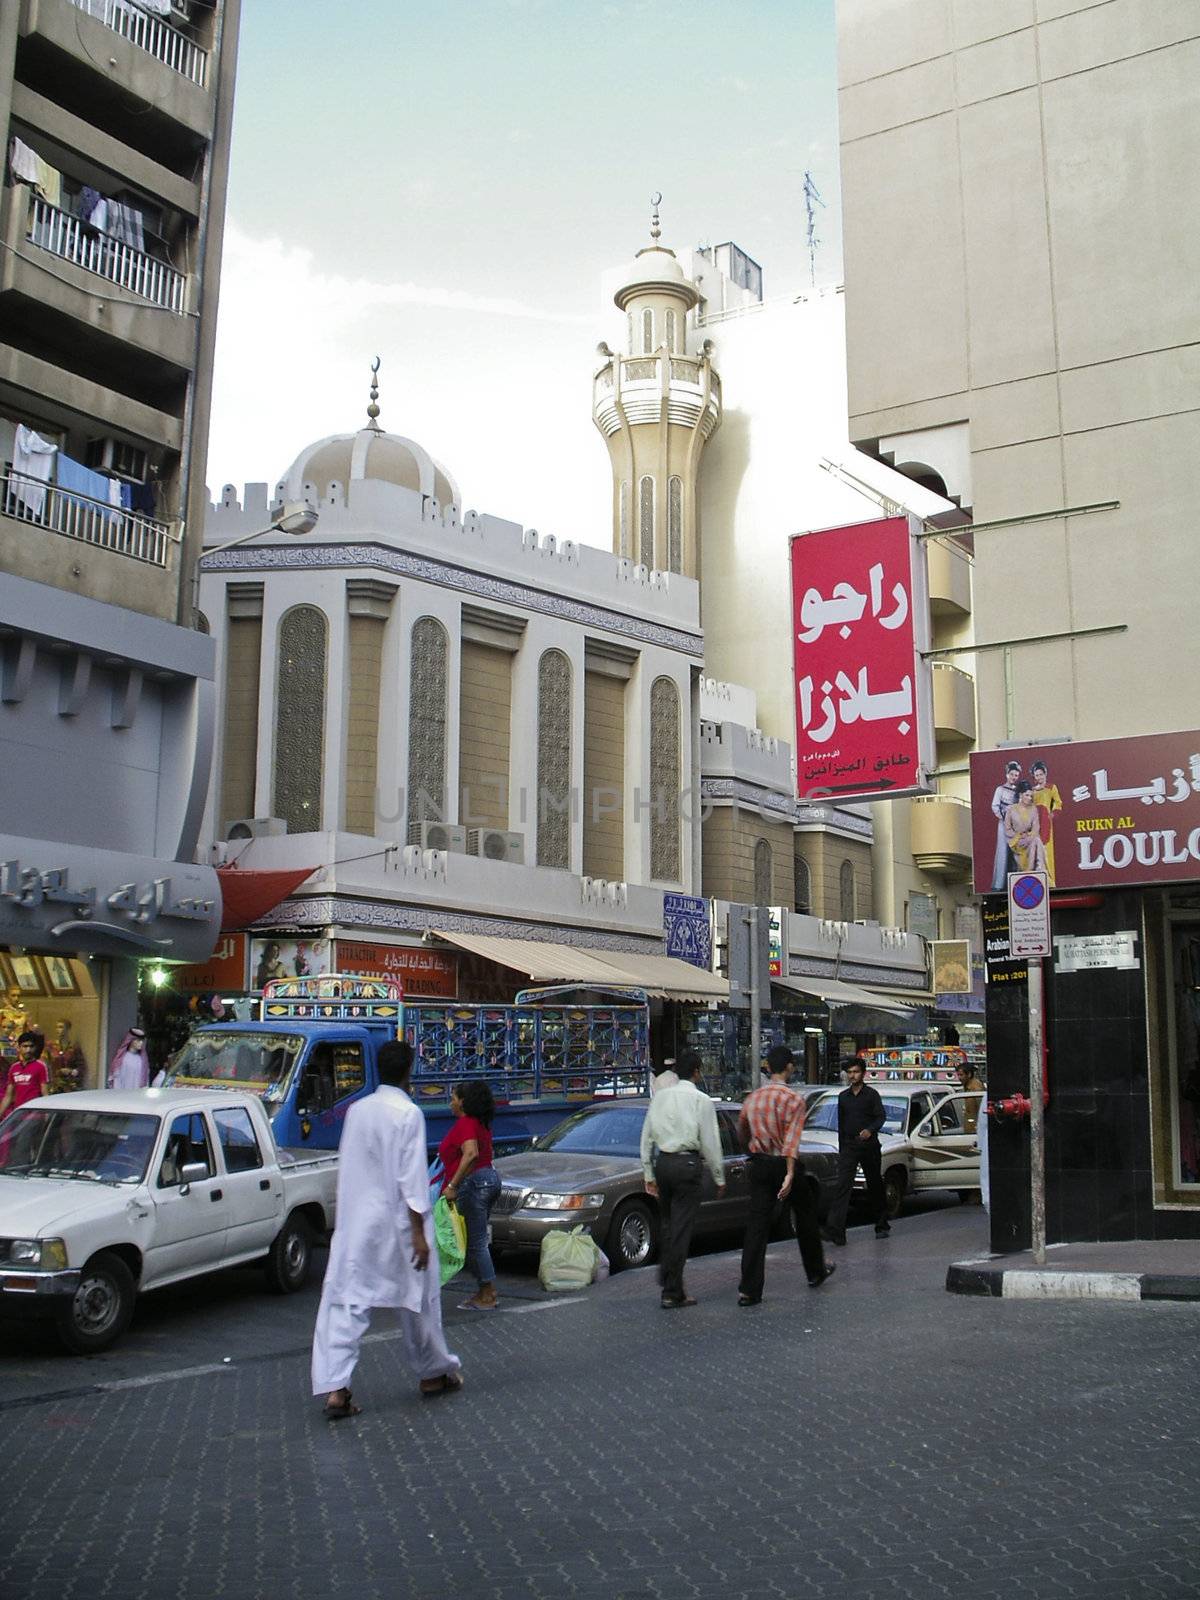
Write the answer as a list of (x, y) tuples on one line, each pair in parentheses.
[(812, 196)]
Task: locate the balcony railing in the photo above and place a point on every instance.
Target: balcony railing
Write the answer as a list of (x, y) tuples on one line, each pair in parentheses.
[(73, 240), (151, 34), (79, 517)]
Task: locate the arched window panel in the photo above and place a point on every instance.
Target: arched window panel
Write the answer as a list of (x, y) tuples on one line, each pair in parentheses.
[(665, 796), (624, 519), (428, 688), (675, 525), (300, 719), (554, 760), (764, 864), (801, 886), (646, 521), (629, 319), (647, 332), (672, 336), (846, 891)]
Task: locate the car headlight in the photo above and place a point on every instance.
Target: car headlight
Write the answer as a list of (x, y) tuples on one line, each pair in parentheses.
[(48, 1253), (562, 1202)]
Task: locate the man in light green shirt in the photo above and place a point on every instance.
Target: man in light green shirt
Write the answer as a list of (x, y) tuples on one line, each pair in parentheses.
[(679, 1138)]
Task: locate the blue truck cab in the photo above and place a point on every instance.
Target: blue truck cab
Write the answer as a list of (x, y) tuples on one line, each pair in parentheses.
[(314, 1051)]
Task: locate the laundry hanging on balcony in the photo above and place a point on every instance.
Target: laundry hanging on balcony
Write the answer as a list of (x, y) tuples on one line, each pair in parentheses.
[(80, 480), (33, 462), (161, 8), (27, 166), (91, 207), (125, 224)]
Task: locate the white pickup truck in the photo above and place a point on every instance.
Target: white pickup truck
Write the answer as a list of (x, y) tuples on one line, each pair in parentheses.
[(107, 1193)]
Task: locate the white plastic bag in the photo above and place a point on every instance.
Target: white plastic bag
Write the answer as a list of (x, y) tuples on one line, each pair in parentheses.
[(567, 1260), (602, 1266)]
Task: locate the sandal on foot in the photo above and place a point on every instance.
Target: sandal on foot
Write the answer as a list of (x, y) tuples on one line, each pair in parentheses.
[(477, 1305), (448, 1383), (343, 1408)]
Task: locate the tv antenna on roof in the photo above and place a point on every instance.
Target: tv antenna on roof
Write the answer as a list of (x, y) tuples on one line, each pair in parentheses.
[(812, 195)]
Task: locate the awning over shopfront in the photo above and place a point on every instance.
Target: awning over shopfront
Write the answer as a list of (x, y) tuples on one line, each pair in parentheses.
[(834, 992), (545, 962), (247, 894)]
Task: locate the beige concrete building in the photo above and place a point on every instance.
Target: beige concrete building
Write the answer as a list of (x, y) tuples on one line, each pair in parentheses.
[(116, 120), (1021, 269)]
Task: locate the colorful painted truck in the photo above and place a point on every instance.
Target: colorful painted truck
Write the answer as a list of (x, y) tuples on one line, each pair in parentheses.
[(313, 1053)]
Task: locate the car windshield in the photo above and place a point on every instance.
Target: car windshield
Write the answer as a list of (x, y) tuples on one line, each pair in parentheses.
[(97, 1146), (825, 1114), (616, 1131), (260, 1063)]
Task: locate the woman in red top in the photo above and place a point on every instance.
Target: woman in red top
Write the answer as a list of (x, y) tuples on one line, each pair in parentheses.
[(471, 1180)]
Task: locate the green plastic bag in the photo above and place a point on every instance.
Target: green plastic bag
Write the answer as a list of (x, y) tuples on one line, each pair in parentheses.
[(450, 1230), (567, 1261)]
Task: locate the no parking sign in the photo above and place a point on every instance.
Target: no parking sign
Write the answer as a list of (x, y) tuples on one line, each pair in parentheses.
[(1029, 913)]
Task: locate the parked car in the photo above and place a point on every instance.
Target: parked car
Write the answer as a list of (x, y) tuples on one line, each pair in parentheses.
[(106, 1194), (588, 1170), (929, 1141)]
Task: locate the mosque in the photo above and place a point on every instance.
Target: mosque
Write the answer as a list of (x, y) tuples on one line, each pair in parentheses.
[(480, 756)]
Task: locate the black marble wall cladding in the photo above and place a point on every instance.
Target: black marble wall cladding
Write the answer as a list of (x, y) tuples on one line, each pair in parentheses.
[(1098, 1178)]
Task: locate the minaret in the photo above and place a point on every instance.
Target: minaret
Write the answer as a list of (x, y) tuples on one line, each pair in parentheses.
[(656, 405)]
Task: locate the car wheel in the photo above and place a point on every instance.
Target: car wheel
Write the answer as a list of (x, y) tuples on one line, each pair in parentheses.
[(894, 1185), (291, 1256), (100, 1310), (633, 1237)]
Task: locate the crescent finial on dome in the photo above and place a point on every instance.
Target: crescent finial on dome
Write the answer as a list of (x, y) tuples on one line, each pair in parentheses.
[(373, 408)]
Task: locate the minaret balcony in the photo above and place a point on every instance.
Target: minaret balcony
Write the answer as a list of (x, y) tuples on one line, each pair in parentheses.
[(633, 390)]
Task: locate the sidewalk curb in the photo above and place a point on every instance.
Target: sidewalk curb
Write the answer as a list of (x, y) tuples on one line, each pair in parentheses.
[(1048, 1283)]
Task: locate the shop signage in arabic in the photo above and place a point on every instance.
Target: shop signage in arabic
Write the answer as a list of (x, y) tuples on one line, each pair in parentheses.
[(861, 684), (1088, 952), (30, 887)]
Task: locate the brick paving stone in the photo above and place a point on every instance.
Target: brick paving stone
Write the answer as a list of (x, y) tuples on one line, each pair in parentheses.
[(602, 1451)]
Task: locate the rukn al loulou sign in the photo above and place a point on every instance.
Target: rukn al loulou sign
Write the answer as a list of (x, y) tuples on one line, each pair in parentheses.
[(1093, 815), (860, 625)]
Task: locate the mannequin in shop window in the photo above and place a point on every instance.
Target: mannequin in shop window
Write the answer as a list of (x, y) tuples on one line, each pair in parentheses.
[(67, 1062)]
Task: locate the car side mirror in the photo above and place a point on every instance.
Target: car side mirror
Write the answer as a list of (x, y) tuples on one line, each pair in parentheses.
[(193, 1172)]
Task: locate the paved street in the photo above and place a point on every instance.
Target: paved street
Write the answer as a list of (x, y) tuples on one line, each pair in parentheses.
[(877, 1438)]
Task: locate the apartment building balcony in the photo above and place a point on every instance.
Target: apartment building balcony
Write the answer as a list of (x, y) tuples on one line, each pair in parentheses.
[(111, 52), (953, 703), (43, 507), (137, 331), (941, 835), (949, 578)]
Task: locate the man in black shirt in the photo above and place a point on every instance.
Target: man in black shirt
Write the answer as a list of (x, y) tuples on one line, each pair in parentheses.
[(860, 1118)]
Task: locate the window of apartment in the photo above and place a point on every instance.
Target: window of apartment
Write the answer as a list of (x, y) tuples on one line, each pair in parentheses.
[(801, 886), (764, 864), (300, 718)]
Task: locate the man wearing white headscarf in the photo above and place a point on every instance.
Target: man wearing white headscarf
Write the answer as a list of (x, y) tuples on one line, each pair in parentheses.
[(383, 1251), (129, 1068)]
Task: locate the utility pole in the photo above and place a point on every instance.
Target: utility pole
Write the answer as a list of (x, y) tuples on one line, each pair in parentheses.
[(755, 997)]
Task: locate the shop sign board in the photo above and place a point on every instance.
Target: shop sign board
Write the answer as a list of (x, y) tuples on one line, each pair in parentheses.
[(687, 929), (950, 961), (1095, 815), (421, 973), (1028, 914), (281, 957), (775, 941), (1091, 951), (863, 685), (224, 971)]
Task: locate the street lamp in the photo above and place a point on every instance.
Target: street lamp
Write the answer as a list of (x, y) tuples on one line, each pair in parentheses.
[(294, 517)]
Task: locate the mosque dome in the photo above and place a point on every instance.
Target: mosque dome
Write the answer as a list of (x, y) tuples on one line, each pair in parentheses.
[(655, 270), (347, 458)]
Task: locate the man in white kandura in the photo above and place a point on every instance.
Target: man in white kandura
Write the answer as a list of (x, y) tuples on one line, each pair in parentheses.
[(383, 1247)]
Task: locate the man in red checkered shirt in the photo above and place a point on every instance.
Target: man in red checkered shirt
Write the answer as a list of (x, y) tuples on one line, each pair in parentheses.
[(770, 1125)]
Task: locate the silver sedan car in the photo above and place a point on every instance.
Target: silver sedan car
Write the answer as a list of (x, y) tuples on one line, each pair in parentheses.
[(587, 1170)]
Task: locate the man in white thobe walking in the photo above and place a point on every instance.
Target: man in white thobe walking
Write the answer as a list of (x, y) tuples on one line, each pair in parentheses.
[(383, 1250)]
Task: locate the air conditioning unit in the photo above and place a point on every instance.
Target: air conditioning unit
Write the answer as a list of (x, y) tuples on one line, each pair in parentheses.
[(438, 836), (495, 845), (118, 457), (256, 828)]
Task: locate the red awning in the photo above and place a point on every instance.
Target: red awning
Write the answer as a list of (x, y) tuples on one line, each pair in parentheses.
[(248, 895)]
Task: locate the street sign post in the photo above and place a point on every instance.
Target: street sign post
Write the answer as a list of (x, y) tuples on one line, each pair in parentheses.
[(1029, 935)]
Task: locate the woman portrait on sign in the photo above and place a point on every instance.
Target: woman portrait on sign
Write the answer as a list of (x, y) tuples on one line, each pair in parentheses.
[(1048, 800), (1023, 830)]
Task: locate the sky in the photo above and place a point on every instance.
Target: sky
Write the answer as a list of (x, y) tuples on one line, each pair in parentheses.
[(442, 185)]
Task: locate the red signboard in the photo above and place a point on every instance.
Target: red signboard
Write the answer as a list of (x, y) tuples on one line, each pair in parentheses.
[(421, 973), (860, 618), (1111, 811), (225, 969)]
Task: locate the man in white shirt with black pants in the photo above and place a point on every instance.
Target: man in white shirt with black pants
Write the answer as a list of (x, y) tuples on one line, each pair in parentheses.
[(679, 1138)]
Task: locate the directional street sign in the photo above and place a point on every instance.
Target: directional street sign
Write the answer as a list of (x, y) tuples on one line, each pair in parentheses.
[(1029, 913)]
